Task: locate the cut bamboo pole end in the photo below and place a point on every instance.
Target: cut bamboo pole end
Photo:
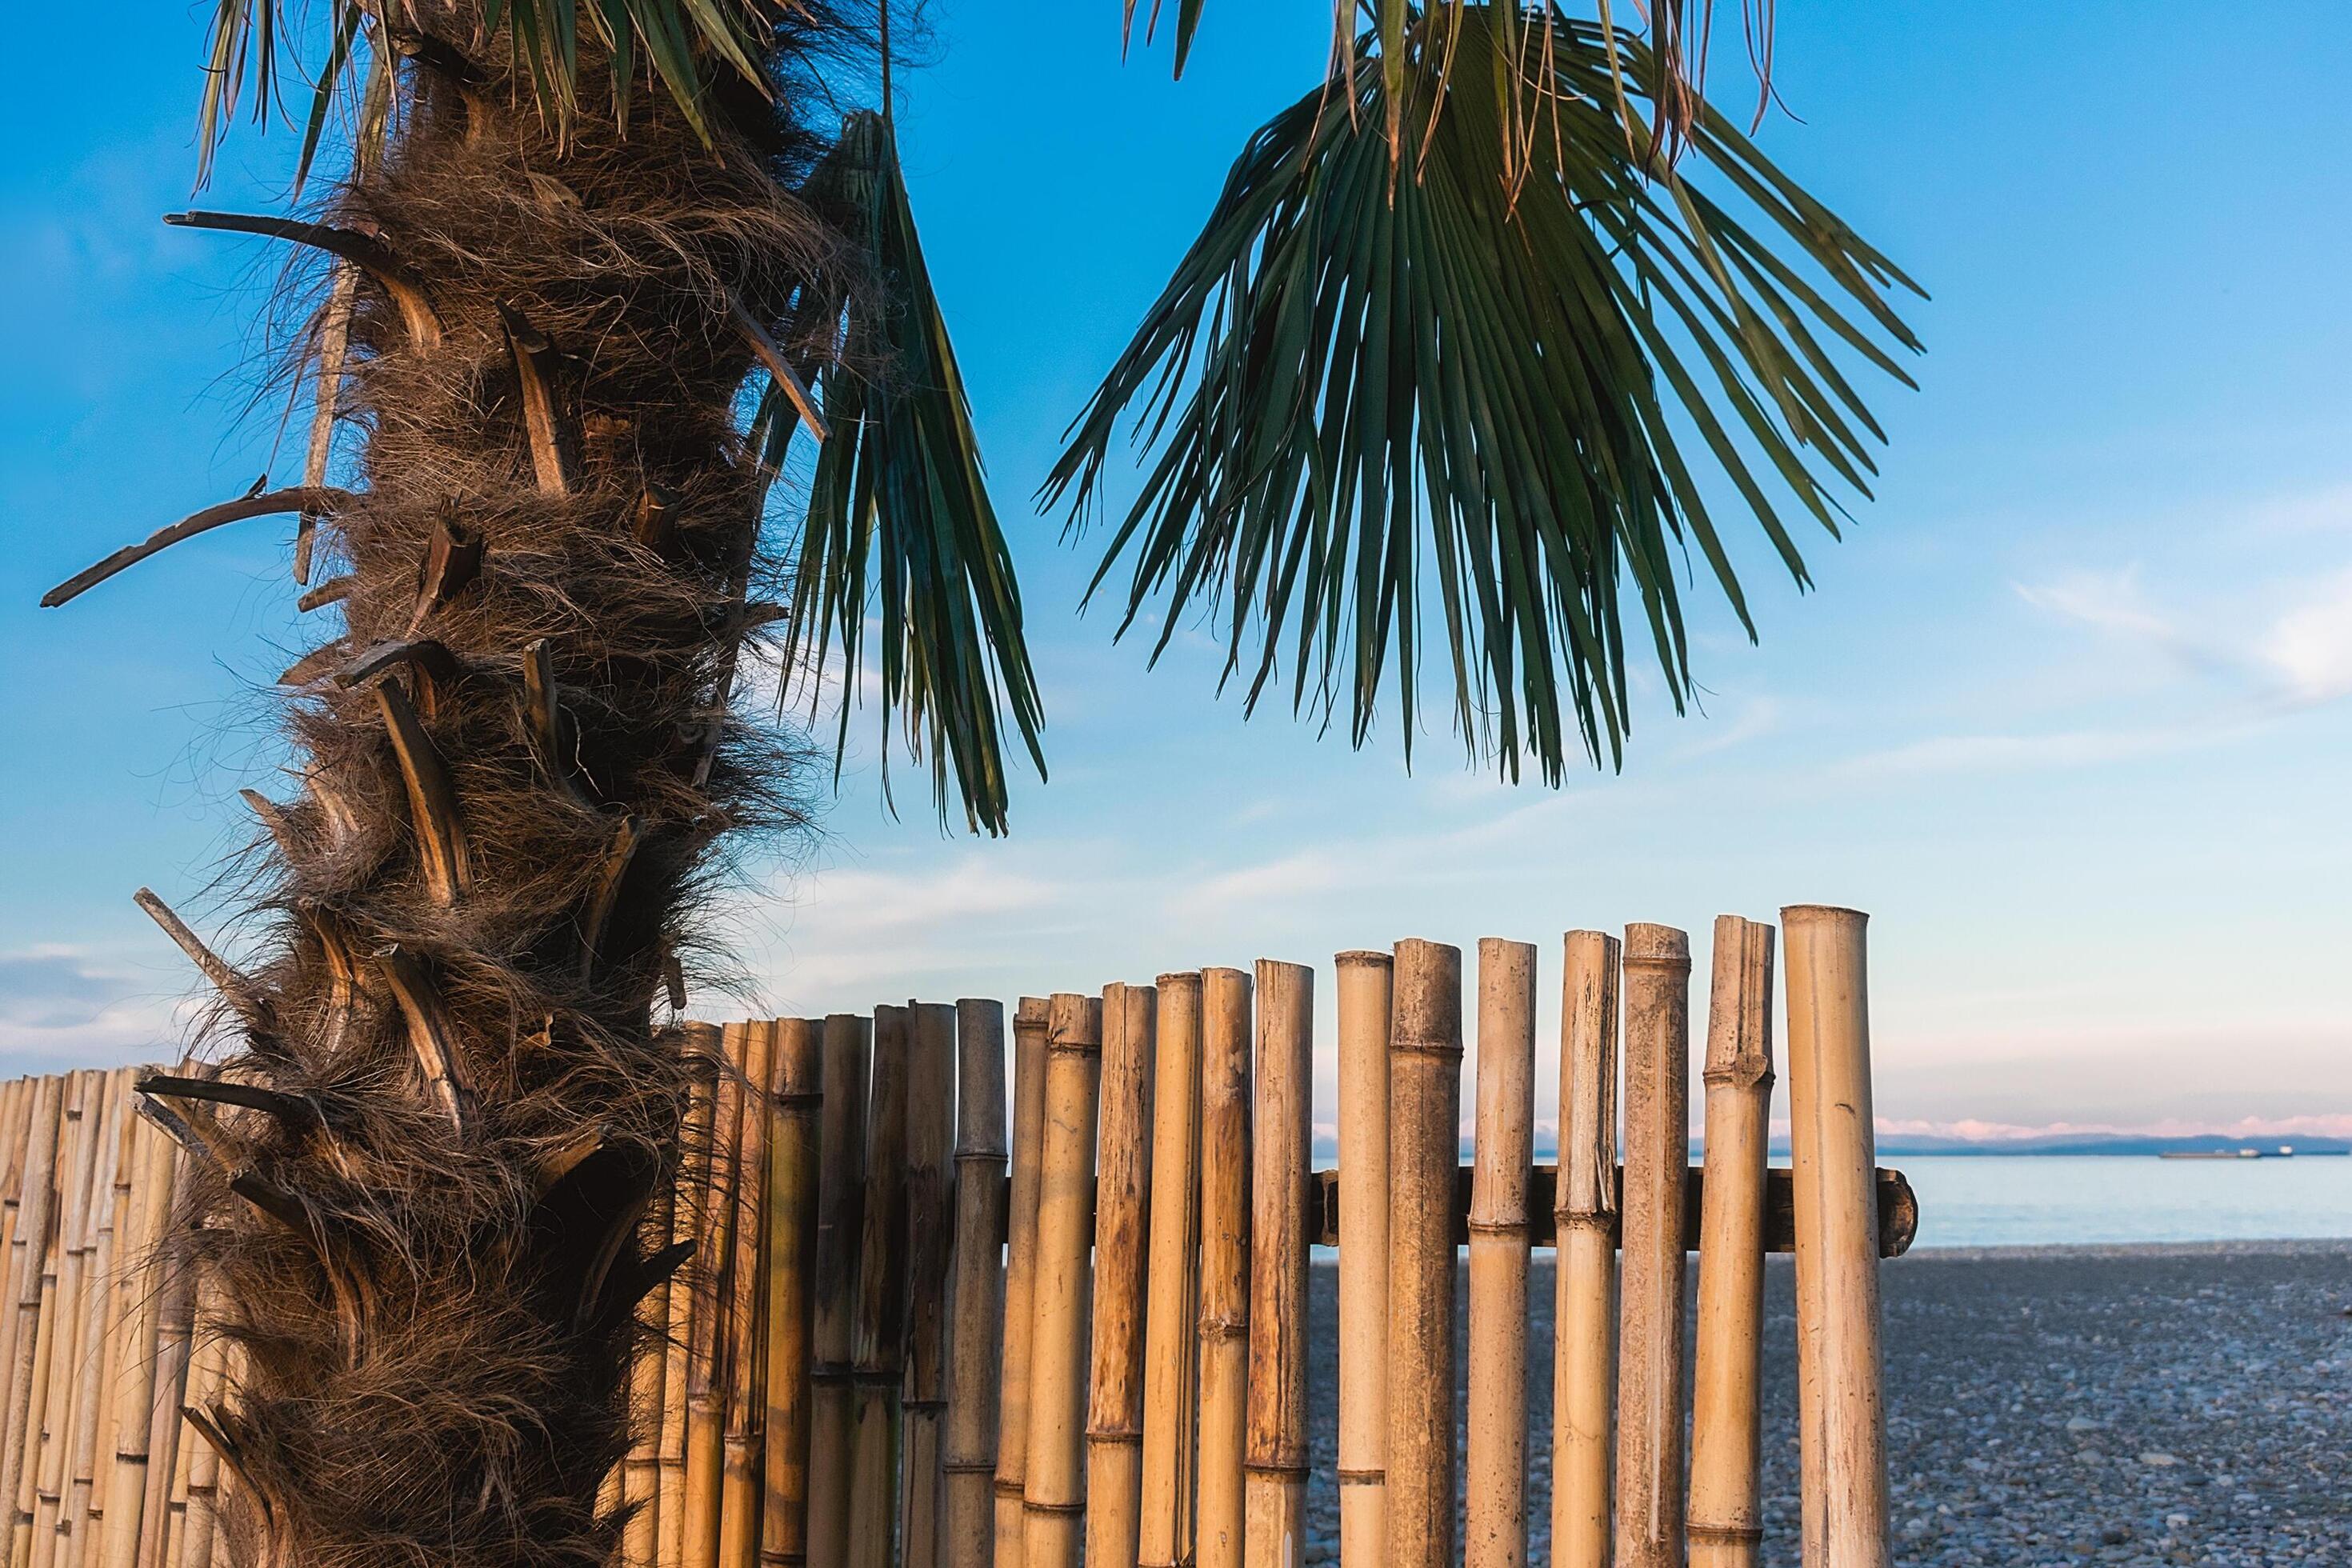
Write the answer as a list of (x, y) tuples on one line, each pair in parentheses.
[(1649, 1529), (1841, 1425), (1496, 1455), (1282, 1134), (1725, 1521), (1030, 1019), (1424, 1119), (1170, 1350), (840, 1224), (1364, 1001), (1115, 1389), (1053, 1494), (1219, 1525), (1584, 1223), (977, 1336)]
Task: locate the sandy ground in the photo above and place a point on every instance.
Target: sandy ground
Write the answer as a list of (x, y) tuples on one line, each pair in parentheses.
[(2051, 1405)]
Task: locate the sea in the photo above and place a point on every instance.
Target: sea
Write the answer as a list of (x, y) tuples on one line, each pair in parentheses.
[(2043, 1200)]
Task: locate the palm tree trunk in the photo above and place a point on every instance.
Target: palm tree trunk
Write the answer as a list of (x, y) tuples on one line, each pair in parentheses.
[(432, 1231)]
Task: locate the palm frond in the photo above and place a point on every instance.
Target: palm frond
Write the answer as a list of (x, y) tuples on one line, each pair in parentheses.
[(899, 521), (677, 40), (1483, 366)]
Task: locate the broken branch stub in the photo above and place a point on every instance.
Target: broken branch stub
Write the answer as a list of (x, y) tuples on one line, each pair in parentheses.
[(765, 349), (428, 1033), (304, 498), (452, 560), (539, 371), (334, 341), (543, 713), (441, 851), (366, 252), (223, 976)]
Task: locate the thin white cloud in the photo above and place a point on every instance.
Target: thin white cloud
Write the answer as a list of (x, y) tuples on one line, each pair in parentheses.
[(2013, 753), (2310, 645)]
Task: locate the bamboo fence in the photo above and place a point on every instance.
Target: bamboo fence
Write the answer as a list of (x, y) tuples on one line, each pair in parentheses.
[(908, 1334)]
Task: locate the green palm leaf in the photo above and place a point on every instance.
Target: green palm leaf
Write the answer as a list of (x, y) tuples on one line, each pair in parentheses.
[(674, 38), (899, 521), (1481, 365)]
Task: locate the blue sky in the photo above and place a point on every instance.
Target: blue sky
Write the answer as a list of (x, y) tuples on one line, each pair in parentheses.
[(2069, 711)]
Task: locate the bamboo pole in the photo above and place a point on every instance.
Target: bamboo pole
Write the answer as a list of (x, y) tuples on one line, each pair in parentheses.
[(1114, 1489), (976, 1337), (711, 1339), (1842, 1427), (840, 1228), (1220, 1530), (1281, 1196), (1364, 1001), (795, 1094), (72, 1321), (1030, 1021), (30, 1271), (92, 1359), (1584, 1223), (930, 1235), (17, 1098), (1495, 1461), (687, 1224), (1054, 1482), (1171, 1279), (54, 1323), (117, 1247), (134, 1388), (881, 1321), (1725, 1524), (1650, 1298), (1424, 1140), (197, 1486), (641, 1467), (745, 1327), (174, 1331)]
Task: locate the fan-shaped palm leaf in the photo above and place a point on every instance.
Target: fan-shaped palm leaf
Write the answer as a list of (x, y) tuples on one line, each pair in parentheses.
[(673, 37), (1481, 365), (900, 518)]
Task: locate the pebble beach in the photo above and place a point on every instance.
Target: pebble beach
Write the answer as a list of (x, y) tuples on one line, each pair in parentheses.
[(2187, 1403)]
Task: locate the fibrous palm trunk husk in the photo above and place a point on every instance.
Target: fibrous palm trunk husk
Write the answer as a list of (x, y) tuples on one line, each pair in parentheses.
[(516, 767)]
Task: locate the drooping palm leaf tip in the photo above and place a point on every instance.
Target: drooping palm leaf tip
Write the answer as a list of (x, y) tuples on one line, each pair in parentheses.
[(1485, 363), (445, 1098)]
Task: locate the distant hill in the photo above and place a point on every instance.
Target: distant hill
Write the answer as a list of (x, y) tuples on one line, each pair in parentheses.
[(1326, 1150), (2102, 1143)]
